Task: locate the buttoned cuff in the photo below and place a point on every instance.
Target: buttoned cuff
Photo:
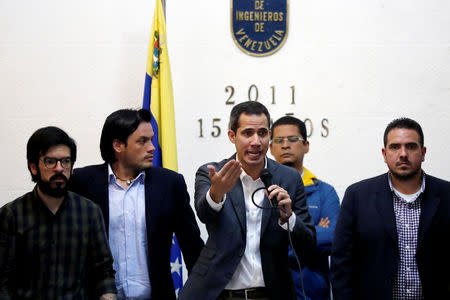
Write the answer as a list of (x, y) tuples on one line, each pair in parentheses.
[(214, 205), (291, 221)]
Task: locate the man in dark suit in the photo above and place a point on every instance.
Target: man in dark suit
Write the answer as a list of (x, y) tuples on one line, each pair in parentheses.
[(143, 206), (392, 236), (246, 255)]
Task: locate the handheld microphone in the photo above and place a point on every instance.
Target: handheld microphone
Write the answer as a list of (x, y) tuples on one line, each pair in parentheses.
[(266, 178)]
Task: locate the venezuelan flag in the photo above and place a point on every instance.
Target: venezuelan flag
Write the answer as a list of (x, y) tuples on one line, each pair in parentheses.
[(158, 98), (158, 95)]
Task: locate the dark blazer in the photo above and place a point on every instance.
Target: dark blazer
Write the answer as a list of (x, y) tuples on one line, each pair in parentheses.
[(227, 236), (365, 253), (167, 211)]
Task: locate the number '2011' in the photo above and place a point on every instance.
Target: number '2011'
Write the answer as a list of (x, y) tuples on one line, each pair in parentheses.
[(253, 94)]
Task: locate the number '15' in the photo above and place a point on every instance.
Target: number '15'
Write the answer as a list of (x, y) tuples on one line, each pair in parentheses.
[(216, 129)]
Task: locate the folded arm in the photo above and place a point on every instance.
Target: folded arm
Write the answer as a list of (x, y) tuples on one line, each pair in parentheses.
[(329, 213)]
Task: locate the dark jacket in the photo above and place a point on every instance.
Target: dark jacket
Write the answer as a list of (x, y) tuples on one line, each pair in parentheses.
[(227, 237), (167, 211), (365, 253)]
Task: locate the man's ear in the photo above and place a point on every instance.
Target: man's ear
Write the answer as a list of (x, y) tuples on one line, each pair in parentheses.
[(306, 146), (117, 145), (33, 168), (232, 136), (424, 151)]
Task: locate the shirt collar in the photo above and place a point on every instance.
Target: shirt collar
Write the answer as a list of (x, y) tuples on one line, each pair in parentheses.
[(39, 204), (397, 193), (113, 178), (307, 177), (243, 173)]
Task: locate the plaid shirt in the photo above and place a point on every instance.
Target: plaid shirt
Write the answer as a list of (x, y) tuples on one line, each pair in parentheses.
[(50, 256), (407, 285)]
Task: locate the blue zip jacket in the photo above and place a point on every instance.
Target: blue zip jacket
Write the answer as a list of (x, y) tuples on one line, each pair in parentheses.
[(323, 202)]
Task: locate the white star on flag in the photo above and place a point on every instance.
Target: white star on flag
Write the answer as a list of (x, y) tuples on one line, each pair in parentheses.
[(175, 267)]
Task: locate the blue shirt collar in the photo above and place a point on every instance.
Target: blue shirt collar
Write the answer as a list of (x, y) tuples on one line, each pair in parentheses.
[(112, 178)]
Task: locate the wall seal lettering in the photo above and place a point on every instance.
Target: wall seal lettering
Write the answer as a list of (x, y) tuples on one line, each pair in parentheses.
[(259, 27)]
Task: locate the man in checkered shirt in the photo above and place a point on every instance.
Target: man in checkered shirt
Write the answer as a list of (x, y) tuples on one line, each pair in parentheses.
[(53, 243), (392, 238)]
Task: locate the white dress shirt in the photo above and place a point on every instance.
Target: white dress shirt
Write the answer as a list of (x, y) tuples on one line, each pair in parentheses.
[(248, 273)]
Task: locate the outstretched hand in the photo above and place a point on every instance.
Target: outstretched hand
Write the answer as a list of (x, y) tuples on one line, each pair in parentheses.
[(224, 180)]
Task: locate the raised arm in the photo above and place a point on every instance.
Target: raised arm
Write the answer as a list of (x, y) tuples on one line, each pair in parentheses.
[(217, 183)]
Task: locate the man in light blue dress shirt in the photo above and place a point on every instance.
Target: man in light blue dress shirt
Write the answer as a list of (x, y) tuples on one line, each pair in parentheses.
[(143, 207), (128, 236)]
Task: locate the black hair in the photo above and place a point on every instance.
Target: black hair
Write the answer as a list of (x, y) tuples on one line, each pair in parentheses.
[(405, 123), (248, 108), (119, 126), (42, 140), (289, 120)]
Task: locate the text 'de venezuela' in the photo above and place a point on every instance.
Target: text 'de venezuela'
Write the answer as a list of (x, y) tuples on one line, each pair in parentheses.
[(259, 27)]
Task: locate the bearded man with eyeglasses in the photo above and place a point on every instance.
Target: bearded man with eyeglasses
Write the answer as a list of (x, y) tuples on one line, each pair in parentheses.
[(53, 242), (289, 145)]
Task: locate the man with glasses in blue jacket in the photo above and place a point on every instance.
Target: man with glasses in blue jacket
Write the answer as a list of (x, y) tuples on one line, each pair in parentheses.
[(289, 145)]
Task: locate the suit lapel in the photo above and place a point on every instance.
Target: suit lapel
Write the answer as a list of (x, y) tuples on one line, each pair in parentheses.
[(382, 197), (102, 193), (267, 213), (430, 204), (237, 201), (151, 189)]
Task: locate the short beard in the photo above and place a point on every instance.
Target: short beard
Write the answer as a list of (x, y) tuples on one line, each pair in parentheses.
[(405, 177), (47, 189)]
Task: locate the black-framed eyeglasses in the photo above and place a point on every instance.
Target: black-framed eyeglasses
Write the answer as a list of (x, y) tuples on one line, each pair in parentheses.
[(50, 162), (290, 139)]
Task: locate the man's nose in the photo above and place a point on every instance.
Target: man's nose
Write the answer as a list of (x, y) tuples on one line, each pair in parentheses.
[(150, 147), (403, 152), (285, 144), (59, 166), (255, 139)]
